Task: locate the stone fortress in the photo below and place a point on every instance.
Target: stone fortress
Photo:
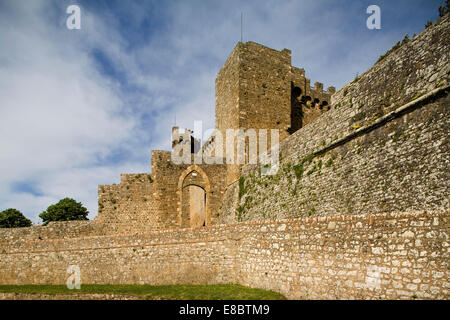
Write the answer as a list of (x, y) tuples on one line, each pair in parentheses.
[(257, 88), (359, 208)]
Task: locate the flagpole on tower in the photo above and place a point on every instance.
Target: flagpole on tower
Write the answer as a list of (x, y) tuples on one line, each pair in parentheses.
[(242, 18)]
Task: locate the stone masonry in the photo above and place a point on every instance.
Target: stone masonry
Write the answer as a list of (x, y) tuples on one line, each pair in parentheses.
[(358, 209), (387, 256)]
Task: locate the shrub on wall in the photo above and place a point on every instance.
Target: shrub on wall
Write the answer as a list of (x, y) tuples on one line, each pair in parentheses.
[(12, 218), (65, 210)]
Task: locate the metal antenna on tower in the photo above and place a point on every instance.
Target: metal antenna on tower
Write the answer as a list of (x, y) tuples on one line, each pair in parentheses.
[(242, 18)]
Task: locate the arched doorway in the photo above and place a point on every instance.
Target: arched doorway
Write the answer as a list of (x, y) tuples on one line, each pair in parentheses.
[(194, 200), (296, 109), (193, 188)]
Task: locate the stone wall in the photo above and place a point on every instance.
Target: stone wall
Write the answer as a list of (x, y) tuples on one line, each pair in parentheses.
[(146, 202), (159, 257), (128, 205), (400, 166), (54, 230), (255, 90), (73, 296), (387, 256), (364, 187), (264, 88), (382, 147)]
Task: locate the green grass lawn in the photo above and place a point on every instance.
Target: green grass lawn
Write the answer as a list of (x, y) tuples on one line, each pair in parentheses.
[(172, 292)]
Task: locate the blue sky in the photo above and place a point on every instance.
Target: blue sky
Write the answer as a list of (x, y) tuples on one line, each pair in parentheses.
[(79, 107)]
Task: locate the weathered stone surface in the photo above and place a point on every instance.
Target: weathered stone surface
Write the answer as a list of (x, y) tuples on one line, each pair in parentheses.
[(364, 155), (144, 202), (340, 264), (357, 210), (75, 296)]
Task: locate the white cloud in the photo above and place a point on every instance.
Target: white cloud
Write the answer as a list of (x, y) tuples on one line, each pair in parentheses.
[(58, 115)]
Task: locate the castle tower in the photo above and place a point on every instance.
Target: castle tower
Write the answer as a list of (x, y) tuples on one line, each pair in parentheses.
[(182, 137), (257, 88)]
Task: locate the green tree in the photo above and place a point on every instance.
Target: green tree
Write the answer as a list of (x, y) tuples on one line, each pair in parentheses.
[(12, 218), (65, 210)]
